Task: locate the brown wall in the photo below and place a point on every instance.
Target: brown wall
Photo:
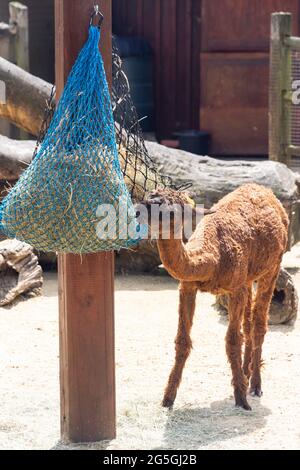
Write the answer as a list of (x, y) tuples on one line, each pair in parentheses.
[(211, 65), (210, 62), (172, 27), (234, 78)]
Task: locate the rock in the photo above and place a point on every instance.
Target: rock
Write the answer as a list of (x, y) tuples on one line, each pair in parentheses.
[(20, 272), (284, 305)]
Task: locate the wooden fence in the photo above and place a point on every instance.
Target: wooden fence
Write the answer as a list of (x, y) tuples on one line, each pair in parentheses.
[(14, 46), (284, 98)]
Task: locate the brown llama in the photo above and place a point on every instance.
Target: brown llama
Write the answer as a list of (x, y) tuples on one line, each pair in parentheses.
[(241, 240)]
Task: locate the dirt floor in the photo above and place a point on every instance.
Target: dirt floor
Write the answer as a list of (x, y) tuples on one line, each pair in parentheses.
[(204, 416)]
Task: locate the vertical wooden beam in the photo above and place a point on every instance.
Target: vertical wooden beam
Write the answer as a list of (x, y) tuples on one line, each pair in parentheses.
[(5, 53), (195, 64), (280, 78), (86, 283), (18, 19), (19, 28)]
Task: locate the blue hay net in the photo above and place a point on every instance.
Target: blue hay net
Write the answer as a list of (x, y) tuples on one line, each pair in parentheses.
[(73, 198)]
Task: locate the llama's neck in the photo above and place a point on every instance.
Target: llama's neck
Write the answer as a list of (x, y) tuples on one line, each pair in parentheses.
[(185, 264)]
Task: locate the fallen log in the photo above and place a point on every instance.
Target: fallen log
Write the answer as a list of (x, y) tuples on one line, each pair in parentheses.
[(15, 156), (20, 272), (284, 305), (26, 97), (211, 179)]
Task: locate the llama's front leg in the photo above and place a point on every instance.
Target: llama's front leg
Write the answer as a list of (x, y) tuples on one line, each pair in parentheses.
[(234, 342), (248, 334), (183, 343), (264, 294)]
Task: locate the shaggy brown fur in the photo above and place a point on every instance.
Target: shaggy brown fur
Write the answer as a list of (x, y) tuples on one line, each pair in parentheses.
[(240, 242)]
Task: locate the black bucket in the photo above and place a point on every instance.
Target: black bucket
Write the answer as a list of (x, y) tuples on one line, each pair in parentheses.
[(193, 141)]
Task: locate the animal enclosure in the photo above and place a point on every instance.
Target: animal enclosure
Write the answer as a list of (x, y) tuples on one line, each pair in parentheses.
[(284, 115)]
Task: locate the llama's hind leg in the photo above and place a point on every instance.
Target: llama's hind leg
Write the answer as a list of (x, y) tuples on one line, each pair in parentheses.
[(183, 343), (248, 336), (234, 341), (264, 294)]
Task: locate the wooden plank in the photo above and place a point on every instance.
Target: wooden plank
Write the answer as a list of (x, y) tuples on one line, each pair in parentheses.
[(158, 59), (166, 119), (86, 282), (241, 25), (292, 42), (237, 131), (280, 84), (172, 27), (117, 16), (4, 52), (234, 107), (140, 16), (183, 92), (19, 25), (294, 151), (41, 38), (18, 19), (149, 25), (195, 64)]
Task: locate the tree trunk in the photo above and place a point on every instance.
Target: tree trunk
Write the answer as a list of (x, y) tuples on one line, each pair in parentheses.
[(15, 156), (284, 305), (26, 97)]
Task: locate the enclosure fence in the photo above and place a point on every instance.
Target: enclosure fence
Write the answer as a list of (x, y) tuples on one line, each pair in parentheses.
[(284, 96), (14, 47)]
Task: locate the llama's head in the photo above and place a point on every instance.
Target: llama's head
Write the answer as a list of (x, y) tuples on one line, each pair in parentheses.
[(169, 197), (167, 210)]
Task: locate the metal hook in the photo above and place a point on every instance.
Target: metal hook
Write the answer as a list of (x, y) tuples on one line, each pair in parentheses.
[(96, 12)]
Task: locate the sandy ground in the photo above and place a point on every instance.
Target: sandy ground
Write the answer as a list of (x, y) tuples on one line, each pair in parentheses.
[(204, 416)]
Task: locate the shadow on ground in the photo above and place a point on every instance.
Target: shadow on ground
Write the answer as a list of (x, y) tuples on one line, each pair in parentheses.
[(193, 428), (60, 445)]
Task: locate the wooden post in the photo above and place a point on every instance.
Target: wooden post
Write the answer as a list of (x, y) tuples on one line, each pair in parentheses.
[(279, 98), (18, 19), (4, 52), (86, 283)]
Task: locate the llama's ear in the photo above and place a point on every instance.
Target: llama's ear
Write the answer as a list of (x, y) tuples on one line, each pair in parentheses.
[(209, 211), (191, 194), (190, 201), (151, 199)]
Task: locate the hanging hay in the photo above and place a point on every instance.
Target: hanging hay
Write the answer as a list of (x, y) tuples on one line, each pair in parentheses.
[(140, 172), (54, 206)]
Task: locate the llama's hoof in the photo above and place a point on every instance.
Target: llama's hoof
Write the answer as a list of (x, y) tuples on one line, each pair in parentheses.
[(256, 392), (167, 403), (241, 401), (245, 405)]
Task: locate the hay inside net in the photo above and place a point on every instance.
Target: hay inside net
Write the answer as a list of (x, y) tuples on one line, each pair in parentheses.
[(58, 203)]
